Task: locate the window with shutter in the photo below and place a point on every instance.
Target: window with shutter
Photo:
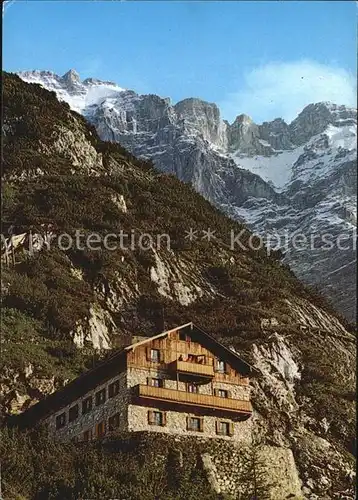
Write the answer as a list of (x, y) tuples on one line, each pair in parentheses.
[(195, 424), (220, 366), (154, 355), (87, 405), (73, 413), (87, 435), (61, 421), (113, 389), (100, 429), (156, 418), (100, 397), (224, 428), (113, 422)]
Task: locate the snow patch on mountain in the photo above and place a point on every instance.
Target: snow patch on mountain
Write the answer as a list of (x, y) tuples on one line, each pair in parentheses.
[(69, 88), (275, 169)]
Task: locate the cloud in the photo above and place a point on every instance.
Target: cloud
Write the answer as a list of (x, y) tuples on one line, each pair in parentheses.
[(284, 89)]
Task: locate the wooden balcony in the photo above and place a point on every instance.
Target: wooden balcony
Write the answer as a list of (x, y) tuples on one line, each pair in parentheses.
[(189, 399), (190, 368)]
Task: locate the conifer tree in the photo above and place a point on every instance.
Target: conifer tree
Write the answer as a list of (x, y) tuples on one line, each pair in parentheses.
[(256, 483)]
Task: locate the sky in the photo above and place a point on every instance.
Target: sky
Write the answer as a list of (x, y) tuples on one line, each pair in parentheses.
[(265, 59)]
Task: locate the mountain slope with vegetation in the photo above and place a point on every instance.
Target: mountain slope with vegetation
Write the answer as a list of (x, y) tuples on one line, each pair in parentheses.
[(64, 309)]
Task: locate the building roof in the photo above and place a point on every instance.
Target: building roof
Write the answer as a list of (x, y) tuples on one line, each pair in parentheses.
[(109, 367)]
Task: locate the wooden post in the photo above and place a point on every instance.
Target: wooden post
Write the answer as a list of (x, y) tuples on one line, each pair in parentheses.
[(12, 251), (30, 243), (6, 255)]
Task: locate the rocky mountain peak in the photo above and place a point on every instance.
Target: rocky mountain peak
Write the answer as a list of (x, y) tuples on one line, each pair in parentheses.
[(243, 134), (95, 81), (277, 134), (198, 116), (194, 108), (315, 118), (243, 119), (71, 77)]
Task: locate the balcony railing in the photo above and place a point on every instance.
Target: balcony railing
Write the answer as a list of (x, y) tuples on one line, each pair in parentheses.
[(193, 399), (190, 368)]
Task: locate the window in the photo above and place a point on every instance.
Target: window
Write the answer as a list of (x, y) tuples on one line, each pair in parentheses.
[(86, 405), (113, 422), (190, 387), (100, 429), (155, 382), (224, 428), (61, 421), (87, 435), (155, 355), (222, 393), (73, 413), (220, 366), (100, 397), (195, 424), (156, 418), (113, 389)]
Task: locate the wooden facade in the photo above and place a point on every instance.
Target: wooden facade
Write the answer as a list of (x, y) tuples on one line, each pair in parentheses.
[(183, 357), (185, 398)]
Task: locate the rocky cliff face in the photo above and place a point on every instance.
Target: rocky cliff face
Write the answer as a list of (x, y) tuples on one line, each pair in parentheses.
[(279, 177), (64, 307)]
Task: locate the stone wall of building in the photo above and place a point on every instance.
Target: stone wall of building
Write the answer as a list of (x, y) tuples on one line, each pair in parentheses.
[(176, 423), (116, 404)]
